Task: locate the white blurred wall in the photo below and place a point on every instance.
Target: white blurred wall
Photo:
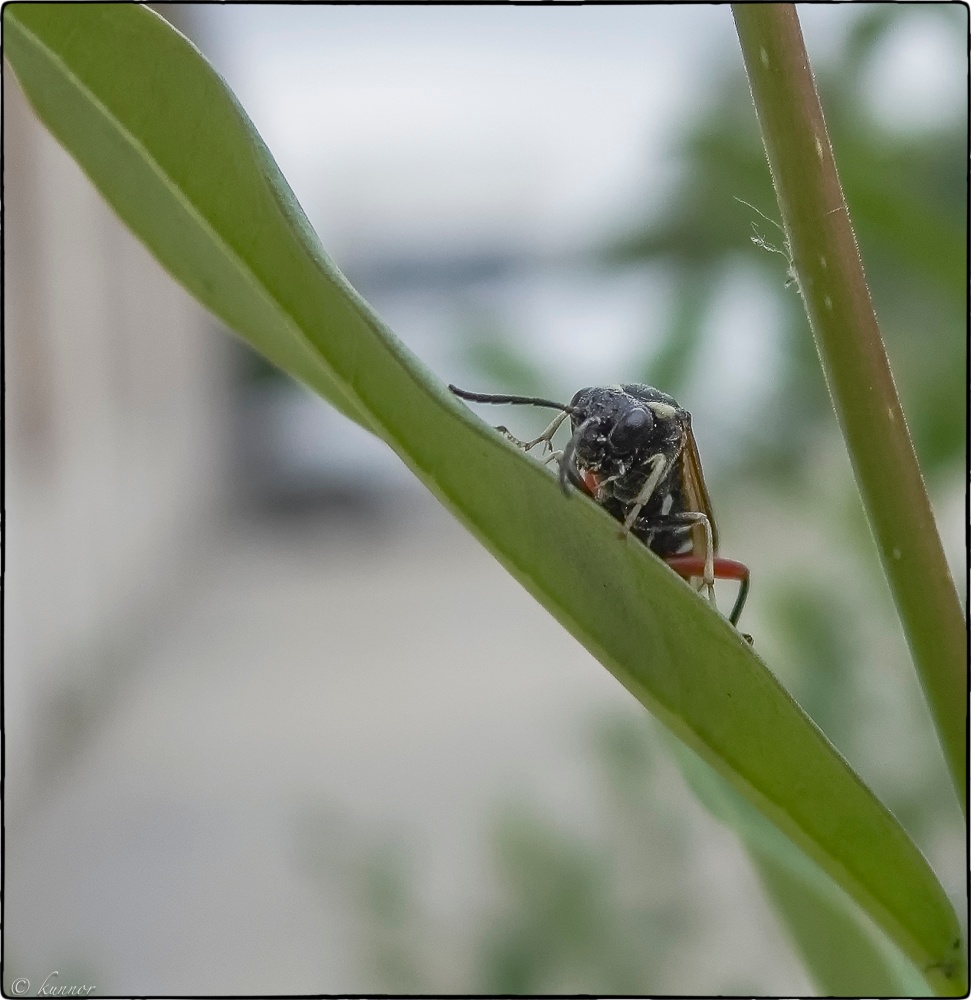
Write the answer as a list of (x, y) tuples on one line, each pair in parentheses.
[(114, 413)]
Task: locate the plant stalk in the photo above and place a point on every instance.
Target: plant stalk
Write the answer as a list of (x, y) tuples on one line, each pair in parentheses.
[(826, 264)]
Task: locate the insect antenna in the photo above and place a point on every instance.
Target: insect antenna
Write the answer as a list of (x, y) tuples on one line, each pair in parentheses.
[(485, 397)]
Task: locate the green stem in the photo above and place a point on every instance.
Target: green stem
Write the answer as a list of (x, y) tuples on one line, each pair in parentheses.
[(826, 264)]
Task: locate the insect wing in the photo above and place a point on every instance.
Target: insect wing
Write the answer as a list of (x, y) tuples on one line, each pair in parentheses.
[(696, 493)]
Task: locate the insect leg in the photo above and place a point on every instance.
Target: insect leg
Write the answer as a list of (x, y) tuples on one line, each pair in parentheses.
[(650, 485), (545, 438), (684, 564), (725, 569), (709, 577)]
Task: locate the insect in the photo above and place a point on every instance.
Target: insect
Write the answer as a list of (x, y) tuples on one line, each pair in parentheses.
[(633, 452)]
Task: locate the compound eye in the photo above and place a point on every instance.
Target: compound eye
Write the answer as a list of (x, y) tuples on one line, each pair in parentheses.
[(631, 430)]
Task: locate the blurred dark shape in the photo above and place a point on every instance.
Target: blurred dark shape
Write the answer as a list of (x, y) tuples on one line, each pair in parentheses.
[(379, 274)]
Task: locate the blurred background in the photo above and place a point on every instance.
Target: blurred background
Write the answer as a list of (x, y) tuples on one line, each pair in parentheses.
[(274, 724)]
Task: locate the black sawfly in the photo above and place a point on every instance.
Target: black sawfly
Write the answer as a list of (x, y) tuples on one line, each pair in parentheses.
[(633, 452)]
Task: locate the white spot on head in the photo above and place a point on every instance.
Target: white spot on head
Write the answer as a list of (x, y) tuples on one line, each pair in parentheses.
[(663, 410), (667, 503), (764, 56), (828, 302)]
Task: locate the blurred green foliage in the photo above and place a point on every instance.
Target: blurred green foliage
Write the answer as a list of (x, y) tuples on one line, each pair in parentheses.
[(571, 912)]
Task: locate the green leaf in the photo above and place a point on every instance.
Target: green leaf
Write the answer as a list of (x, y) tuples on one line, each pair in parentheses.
[(842, 949), (164, 140)]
